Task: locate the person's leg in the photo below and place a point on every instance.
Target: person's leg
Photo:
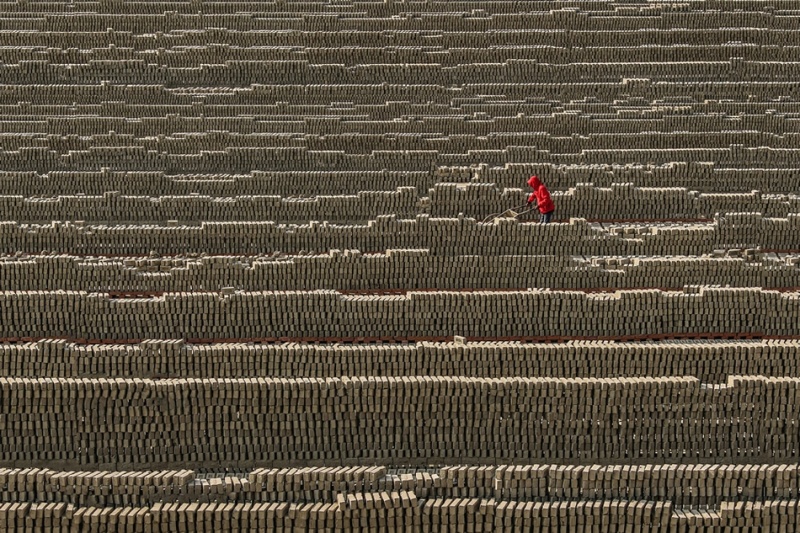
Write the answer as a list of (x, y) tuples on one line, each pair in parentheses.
[(544, 218)]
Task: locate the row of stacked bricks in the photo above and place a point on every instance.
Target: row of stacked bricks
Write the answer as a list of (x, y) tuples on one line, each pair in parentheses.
[(478, 200), (532, 314), (504, 498), (395, 512), (418, 420), (394, 271), (268, 266), (719, 186), (711, 362), (683, 485), (460, 236)]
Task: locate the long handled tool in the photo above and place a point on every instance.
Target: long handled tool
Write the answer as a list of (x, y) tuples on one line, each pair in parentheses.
[(512, 210)]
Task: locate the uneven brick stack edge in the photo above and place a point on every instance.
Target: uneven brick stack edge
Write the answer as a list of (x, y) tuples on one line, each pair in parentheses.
[(270, 266)]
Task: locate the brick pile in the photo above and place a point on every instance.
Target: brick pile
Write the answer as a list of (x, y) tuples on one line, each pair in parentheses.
[(366, 205), (121, 423), (620, 201), (442, 236), (256, 272), (487, 498), (329, 315), (711, 361), (395, 270), (478, 200)]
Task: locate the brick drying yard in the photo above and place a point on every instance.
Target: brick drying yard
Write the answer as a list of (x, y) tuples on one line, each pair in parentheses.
[(254, 278)]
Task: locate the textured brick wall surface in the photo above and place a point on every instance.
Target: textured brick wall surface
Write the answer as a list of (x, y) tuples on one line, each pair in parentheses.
[(486, 498), (396, 420), (397, 271), (443, 236), (711, 362), (328, 314), (268, 266)]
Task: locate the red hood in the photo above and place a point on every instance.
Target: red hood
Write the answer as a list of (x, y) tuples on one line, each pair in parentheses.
[(534, 182)]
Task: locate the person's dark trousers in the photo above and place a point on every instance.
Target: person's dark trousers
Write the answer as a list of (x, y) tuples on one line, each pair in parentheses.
[(544, 218)]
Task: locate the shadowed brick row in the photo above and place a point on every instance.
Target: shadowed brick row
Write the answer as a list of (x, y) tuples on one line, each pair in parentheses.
[(441, 236), (395, 270), (619, 202), (246, 281), (320, 315), (712, 362), (130, 423)]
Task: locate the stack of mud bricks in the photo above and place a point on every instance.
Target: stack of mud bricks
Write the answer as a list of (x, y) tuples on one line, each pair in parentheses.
[(416, 137), (497, 498), (100, 423), (98, 488), (694, 176), (701, 176), (442, 236), (396, 270), (329, 315), (396, 129), (364, 206), (620, 201), (275, 183), (712, 362)]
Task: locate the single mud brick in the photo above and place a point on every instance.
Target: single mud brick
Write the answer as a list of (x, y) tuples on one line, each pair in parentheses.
[(80, 520), (342, 501), (5, 510), (210, 512)]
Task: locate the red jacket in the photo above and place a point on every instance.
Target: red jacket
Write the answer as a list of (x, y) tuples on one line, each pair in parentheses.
[(541, 195)]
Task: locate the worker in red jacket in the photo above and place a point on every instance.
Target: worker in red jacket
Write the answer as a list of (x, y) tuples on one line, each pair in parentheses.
[(541, 195)]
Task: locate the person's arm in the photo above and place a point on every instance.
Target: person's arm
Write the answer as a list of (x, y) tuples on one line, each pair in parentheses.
[(532, 199)]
